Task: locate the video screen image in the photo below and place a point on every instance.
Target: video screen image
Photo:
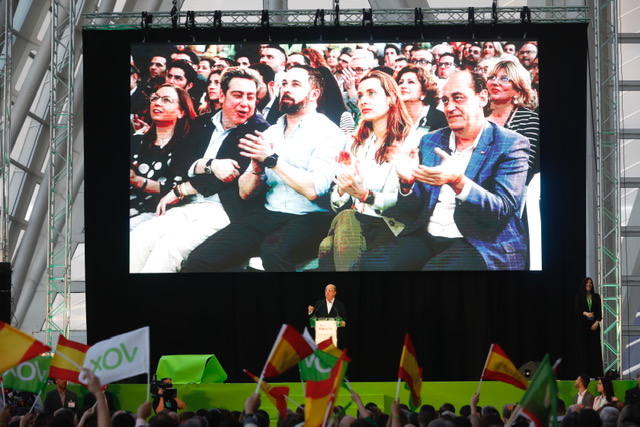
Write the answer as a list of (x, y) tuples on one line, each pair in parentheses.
[(310, 157)]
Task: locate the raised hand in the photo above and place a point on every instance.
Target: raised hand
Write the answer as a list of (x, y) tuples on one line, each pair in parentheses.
[(255, 147)]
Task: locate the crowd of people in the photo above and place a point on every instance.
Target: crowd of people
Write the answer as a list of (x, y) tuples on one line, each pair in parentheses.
[(355, 157), (585, 411)]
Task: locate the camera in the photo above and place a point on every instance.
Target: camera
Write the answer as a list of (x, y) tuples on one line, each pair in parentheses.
[(168, 392)]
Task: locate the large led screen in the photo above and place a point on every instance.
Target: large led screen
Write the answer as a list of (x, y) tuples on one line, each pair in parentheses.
[(335, 157)]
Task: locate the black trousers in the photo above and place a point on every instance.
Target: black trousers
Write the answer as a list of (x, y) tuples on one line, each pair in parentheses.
[(282, 240), (424, 252)]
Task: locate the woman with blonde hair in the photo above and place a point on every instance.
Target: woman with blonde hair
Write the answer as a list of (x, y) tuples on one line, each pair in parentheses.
[(366, 181), (492, 49), (512, 104)]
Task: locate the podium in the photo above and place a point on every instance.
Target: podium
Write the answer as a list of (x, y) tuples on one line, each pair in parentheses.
[(326, 327)]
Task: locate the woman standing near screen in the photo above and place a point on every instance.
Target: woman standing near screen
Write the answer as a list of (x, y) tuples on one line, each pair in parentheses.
[(151, 173), (419, 92), (366, 182), (588, 309)]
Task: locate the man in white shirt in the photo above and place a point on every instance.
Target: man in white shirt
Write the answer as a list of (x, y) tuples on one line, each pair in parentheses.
[(292, 165), (462, 199), (583, 397)]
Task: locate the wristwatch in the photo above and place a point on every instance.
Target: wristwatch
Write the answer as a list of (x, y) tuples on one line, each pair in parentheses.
[(371, 198), (207, 167), (271, 161)]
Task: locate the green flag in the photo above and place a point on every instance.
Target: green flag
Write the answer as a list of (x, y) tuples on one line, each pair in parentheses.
[(540, 401), (28, 376), (317, 366)]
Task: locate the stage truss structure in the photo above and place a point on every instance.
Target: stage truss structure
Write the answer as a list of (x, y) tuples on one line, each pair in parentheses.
[(61, 116), (608, 219), (603, 15)]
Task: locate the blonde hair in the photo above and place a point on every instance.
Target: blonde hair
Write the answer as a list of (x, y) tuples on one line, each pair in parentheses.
[(521, 80)]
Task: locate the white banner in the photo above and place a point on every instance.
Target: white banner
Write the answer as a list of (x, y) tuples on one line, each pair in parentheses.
[(119, 357)]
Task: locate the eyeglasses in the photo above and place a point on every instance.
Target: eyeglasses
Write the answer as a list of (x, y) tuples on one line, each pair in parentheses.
[(360, 70), (421, 61), (501, 79), (445, 64), (344, 61), (162, 99)]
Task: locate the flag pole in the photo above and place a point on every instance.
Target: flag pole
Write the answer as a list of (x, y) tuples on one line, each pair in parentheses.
[(35, 400), (273, 349), (4, 401), (514, 415), (486, 362), (68, 359), (292, 401), (398, 389), (148, 386)]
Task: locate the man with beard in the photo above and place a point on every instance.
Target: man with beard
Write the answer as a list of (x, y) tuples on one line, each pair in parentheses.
[(211, 160), (472, 57), (292, 163), (463, 213), (527, 55)]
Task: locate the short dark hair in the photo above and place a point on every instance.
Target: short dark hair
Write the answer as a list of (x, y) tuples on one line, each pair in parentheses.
[(391, 46), (315, 78), (267, 73), (191, 54), (277, 47), (585, 379), (305, 59), (237, 72), (189, 73), (209, 60), (383, 69), (230, 62), (455, 60)]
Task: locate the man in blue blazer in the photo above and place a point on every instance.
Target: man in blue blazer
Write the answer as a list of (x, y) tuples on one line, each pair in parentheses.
[(462, 198)]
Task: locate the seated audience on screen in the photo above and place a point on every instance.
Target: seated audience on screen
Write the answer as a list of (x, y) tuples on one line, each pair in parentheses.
[(446, 65), (366, 182), (293, 162), (528, 54), (213, 164), (471, 57), (462, 199), (360, 64), (419, 92), (151, 172), (331, 103), (211, 102), (512, 102), (181, 74)]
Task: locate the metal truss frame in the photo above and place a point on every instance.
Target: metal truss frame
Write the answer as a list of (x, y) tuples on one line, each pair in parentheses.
[(346, 17), (61, 115), (6, 44), (607, 132)]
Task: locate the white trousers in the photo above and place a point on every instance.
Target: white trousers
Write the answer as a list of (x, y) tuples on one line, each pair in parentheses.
[(159, 245)]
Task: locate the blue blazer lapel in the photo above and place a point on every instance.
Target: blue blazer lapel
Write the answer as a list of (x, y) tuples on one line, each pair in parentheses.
[(480, 155)]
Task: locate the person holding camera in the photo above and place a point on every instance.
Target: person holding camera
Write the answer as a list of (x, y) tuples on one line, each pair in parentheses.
[(165, 397)]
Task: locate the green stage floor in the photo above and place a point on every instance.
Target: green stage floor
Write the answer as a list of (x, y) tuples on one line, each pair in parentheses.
[(231, 395)]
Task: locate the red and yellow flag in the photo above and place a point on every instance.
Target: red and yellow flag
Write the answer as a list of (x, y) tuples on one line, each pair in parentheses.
[(411, 372), (290, 348), (17, 347), (320, 396), (277, 395), (500, 368), (66, 350), (328, 347)]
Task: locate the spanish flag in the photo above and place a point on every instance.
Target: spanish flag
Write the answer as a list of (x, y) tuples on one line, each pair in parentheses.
[(411, 372), (17, 347), (320, 396), (328, 347), (289, 348), (500, 368), (277, 395), (67, 351)]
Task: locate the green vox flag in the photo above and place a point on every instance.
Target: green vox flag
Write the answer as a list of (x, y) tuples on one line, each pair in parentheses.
[(317, 366), (540, 401), (28, 376)]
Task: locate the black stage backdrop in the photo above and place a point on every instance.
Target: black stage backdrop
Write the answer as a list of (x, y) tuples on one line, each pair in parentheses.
[(452, 317)]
